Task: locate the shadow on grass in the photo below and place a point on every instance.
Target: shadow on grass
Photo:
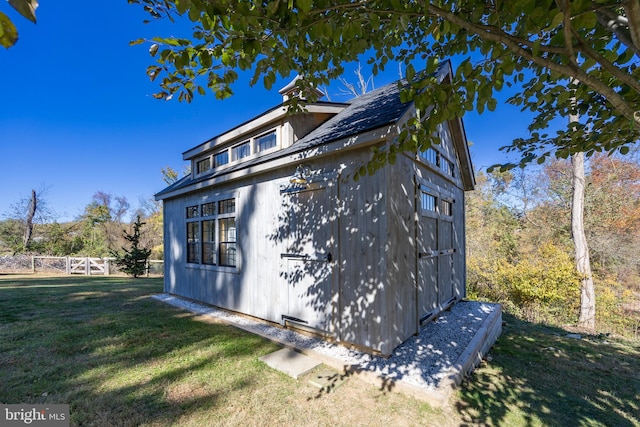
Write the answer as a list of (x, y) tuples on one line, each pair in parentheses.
[(539, 376), (115, 355)]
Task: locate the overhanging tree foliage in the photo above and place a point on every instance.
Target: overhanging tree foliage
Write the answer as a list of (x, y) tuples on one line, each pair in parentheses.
[(551, 50), (8, 31)]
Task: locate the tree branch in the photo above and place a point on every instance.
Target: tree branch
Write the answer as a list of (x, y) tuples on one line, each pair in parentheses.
[(571, 71), (613, 25), (632, 10)]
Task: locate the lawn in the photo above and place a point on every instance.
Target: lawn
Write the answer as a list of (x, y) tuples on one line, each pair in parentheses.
[(118, 357)]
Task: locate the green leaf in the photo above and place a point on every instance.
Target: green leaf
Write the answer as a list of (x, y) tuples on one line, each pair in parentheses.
[(268, 80), (8, 32), (585, 20), (410, 72), (555, 21), (536, 47), (492, 104), (194, 14), (182, 6), (374, 20), (26, 8), (304, 5), (205, 59)]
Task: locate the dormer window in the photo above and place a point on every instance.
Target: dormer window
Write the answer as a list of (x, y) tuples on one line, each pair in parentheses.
[(266, 142), (241, 151), (253, 146), (203, 165), (221, 158)]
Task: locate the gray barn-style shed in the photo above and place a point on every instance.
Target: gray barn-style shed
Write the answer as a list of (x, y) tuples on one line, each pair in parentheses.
[(271, 223)]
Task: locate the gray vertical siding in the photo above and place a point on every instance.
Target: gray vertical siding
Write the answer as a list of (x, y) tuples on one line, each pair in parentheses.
[(373, 289)]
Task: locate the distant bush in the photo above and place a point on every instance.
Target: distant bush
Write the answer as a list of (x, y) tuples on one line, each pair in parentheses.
[(541, 287), (617, 309)]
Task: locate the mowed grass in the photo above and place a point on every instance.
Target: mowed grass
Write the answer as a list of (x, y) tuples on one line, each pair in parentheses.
[(537, 376), (118, 357)]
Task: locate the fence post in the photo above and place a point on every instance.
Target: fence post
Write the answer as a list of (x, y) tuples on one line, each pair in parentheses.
[(87, 267), (33, 264), (68, 265), (106, 266)]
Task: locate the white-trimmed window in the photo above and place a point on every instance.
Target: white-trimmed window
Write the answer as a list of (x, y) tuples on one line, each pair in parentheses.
[(241, 151), (205, 223), (203, 165), (266, 142), (254, 145), (221, 158)]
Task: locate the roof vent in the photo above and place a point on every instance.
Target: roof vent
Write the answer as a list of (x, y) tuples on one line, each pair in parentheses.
[(293, 91)]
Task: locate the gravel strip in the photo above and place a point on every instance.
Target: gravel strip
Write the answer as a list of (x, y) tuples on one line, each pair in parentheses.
[(422, 360)]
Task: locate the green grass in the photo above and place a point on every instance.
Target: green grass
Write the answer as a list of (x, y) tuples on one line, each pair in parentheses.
[(113, 354), (539, 377), (118, 357)]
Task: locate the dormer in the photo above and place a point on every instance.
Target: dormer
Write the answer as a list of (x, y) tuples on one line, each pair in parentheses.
[(267, 133)]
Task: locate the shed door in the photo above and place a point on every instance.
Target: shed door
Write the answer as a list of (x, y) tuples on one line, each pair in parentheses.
[(307, 266), (435, 251), (445, 260), (428, 264)]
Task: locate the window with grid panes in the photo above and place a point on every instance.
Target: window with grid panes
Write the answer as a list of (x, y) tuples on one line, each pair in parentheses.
[(193, 242), (207, 221), (227, 232)]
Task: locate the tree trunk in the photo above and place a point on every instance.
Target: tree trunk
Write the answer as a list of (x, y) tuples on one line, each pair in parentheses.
[(28, 231), (583, 265)]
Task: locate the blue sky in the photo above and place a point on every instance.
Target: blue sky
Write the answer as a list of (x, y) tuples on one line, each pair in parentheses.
[(77, 115)]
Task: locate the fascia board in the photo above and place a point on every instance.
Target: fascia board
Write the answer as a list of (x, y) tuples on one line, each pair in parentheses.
[(249, 127)]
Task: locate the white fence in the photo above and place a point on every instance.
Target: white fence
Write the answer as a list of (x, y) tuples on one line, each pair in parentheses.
[(69, 265)]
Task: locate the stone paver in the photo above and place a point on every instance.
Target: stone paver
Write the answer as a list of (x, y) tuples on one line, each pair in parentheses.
[(292, 363)]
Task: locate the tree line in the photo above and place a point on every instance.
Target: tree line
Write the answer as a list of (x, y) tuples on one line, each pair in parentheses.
[(520, 247), (31, 227)]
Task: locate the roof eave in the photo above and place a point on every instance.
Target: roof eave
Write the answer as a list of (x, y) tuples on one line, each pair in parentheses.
[(349, 143)]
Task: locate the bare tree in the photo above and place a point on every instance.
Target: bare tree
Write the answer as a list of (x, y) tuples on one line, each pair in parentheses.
[(105, 214), (360, 87), (31, 213), (26, 213)]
